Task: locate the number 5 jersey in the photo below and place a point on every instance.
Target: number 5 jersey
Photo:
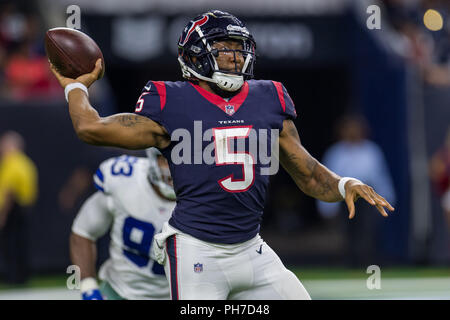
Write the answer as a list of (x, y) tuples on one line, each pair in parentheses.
[(218, 154)]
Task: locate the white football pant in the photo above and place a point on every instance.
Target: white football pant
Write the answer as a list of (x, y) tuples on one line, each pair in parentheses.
[(250, 270)]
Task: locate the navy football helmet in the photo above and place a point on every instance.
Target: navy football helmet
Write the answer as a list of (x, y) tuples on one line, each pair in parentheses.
[(197, 41)]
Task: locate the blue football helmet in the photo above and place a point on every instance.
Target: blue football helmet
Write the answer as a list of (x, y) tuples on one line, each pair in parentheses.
[(197, 40)]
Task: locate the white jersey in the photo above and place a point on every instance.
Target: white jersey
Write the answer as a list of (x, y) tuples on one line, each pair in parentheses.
[(128, 203)]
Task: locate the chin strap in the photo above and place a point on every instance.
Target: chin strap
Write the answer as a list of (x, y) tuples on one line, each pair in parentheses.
[(228, 82)]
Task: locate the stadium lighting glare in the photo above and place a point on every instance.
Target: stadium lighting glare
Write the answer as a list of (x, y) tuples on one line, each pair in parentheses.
[(433, 20)]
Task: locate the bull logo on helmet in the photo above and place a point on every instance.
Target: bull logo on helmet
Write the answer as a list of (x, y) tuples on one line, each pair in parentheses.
[(195, 23)]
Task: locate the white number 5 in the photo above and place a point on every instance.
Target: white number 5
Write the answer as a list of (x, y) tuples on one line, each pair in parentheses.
[(222, 137), (140, 102)]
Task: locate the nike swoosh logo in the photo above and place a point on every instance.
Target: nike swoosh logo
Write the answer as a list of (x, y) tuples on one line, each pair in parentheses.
[(148, 88), (260, 250)]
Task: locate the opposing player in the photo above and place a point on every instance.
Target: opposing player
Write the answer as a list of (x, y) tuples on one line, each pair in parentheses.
[(134, 198), (211, 248)]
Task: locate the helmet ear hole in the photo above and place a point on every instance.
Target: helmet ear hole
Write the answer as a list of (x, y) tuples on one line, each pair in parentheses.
[(193, 60)]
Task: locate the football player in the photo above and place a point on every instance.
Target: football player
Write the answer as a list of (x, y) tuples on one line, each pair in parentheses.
[(211, 248), (134, 198)]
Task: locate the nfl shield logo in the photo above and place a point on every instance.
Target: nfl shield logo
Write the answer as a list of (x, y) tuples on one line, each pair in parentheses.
[(198, 267), (229, 109)]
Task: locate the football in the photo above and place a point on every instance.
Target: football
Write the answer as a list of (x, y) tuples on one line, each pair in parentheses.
[(72, 52)]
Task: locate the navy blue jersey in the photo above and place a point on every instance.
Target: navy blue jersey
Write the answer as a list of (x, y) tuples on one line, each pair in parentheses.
[(215, 164)]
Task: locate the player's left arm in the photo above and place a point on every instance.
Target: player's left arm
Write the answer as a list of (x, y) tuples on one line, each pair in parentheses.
[(316, 180), (92, 222)]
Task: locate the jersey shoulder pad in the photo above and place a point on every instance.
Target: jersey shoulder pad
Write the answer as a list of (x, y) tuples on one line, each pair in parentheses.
[(278, 94), (152, 100), (287, 105), (114, 173)]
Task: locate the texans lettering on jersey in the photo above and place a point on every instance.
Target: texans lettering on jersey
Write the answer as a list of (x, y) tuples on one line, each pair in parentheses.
[(222, 201)]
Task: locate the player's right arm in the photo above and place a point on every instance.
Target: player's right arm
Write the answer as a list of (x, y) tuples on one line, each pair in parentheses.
[(124, 130)]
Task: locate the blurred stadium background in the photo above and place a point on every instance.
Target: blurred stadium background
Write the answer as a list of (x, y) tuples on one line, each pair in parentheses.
[(397, 78)]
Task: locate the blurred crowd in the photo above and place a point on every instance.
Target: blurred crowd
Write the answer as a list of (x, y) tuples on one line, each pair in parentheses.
[(426, 27), (440, 175), (18, 193), (24, 72)]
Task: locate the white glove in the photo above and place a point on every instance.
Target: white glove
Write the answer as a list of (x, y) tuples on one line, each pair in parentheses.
[(158, 251)]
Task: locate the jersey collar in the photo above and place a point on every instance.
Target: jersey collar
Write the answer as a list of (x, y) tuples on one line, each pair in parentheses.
[(229, 107)]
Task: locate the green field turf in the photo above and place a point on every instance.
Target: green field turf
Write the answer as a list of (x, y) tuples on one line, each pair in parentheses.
[(45, 281), (321, 283), (307, 273), (343, 273), (405, 283)]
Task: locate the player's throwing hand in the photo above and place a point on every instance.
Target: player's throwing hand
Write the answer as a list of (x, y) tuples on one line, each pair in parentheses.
[(86, 79), (355, 189)]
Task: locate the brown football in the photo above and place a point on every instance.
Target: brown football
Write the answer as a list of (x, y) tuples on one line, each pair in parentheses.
[(72, 52)]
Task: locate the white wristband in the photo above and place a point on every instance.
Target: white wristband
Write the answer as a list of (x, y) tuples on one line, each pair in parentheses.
[(88, 284), (341, 185), (72, 86)]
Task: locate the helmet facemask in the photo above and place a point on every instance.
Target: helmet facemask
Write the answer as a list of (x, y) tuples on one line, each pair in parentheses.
[(230, 80)]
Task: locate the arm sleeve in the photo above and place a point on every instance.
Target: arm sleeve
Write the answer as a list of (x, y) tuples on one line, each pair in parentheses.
[(94, 219), (285, 100), (152, 100)]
